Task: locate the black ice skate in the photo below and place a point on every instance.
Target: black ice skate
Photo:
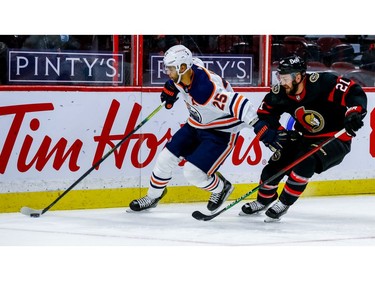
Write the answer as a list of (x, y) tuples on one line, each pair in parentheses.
[(217, 199), (145, 202), (276, 211), (255, 207)]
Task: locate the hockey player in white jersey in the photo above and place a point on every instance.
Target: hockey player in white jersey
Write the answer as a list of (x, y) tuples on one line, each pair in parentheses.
[(217, 114)]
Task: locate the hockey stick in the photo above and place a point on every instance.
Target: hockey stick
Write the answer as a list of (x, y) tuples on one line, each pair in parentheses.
[(37, 213), (200, 216)]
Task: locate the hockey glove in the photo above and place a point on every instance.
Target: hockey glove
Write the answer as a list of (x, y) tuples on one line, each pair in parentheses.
[(273, 139), (169, 94), (353, 120)]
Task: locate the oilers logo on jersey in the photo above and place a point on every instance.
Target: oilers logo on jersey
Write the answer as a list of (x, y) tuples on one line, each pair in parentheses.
[(194, 113)]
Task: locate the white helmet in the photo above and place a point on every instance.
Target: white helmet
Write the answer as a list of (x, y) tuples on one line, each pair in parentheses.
[(176, 56), (198, 61)]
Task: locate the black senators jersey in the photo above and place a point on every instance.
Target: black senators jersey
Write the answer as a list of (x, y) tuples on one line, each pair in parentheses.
[(320, 109)]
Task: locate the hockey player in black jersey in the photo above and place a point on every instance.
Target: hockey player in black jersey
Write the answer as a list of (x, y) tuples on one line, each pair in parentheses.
[(321, 104)]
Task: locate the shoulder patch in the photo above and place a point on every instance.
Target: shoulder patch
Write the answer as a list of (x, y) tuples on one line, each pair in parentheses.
[(276, 88), (314, 77)]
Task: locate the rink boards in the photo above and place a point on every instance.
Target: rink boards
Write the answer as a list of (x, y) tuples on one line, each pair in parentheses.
[(50, 139)]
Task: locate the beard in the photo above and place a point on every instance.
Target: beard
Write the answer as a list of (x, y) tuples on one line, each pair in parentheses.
[(291, 90)]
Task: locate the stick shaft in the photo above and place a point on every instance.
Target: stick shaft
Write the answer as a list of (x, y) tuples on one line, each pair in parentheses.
[(103, 158)]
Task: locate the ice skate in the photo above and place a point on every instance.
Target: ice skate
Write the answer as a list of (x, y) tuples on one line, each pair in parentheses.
[(255, 207), (145, 202), (276, 211), (217, 199)]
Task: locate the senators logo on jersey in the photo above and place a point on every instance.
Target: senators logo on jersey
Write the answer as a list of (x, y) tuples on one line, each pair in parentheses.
[(276, 88), (314, 77), (311, 120)]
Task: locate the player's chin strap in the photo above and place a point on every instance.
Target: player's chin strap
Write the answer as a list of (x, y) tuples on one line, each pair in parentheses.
[(180, 75), (200, 216)]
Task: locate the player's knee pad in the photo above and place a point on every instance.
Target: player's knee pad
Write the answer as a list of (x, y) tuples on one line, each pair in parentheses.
[(195, 176), (165, 163)]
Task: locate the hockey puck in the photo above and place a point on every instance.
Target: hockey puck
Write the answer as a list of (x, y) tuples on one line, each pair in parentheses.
[(35, 215)]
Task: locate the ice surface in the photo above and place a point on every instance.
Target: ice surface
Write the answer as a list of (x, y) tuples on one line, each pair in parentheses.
[(317, 225)]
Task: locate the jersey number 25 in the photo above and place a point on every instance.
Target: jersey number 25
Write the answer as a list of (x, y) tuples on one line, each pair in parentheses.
[(220, 100)]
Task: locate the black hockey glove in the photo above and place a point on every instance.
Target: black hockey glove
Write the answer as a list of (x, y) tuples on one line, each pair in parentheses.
[(169, 94), (273, 139), (353, 120)]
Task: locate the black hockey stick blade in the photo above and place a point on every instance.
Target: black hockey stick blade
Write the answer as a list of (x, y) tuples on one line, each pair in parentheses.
[(202, 217), (31, 212)]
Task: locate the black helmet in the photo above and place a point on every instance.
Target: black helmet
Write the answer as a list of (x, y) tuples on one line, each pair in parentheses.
[(291, 64)]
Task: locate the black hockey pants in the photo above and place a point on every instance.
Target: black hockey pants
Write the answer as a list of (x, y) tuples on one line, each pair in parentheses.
[(329, 156)]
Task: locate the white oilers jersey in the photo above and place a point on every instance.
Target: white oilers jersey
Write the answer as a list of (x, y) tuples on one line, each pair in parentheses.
[(212, 104)]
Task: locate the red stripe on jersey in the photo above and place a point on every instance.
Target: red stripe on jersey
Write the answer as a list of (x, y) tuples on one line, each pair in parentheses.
[(343, 103), (331, 94), (264, 108), (342, 88)]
